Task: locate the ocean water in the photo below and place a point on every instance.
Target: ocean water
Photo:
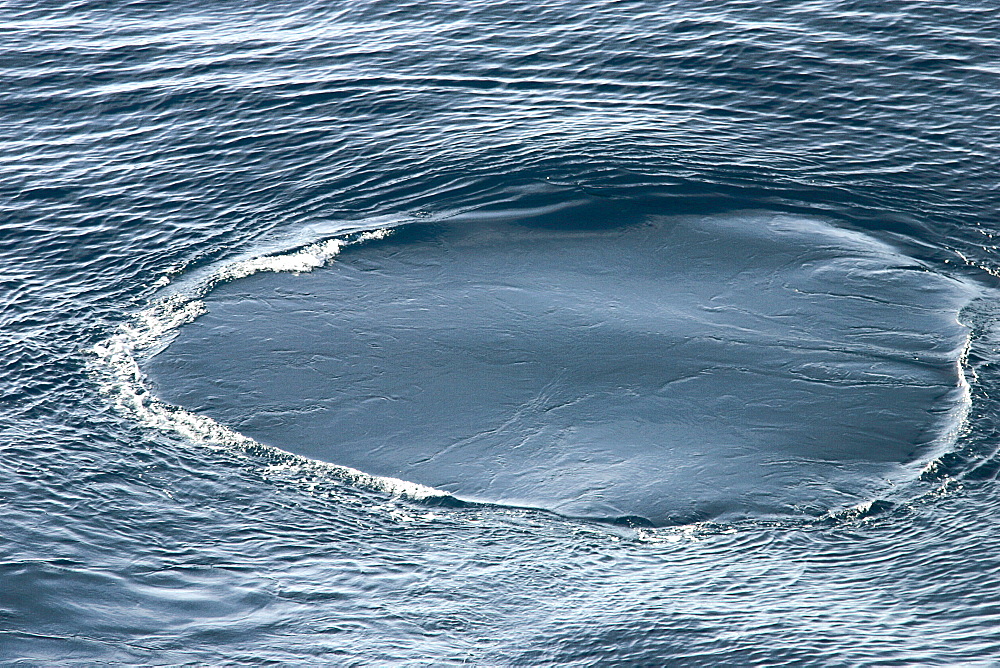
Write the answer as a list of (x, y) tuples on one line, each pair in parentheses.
[(592, 333)]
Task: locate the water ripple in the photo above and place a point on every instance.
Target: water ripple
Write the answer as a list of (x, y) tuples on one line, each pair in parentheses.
[(146, 143)]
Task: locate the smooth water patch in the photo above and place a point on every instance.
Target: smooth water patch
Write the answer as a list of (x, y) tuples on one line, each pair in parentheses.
[(674, 368)]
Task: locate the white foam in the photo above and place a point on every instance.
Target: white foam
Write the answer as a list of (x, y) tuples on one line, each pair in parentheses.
[(117, 360)]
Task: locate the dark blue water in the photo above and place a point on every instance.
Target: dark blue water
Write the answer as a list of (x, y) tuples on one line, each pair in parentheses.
[(608, 333)]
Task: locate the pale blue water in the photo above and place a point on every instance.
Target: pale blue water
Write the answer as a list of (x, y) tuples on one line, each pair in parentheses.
[(606, 333)]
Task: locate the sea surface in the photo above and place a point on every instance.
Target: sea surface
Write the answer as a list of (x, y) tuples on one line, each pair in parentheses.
[(468, 333)]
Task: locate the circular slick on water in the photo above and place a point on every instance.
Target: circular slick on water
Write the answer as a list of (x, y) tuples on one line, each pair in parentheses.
[(672, 368)]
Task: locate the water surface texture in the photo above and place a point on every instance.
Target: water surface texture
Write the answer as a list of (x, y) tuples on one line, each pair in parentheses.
[(578, 333), (668, 369)]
